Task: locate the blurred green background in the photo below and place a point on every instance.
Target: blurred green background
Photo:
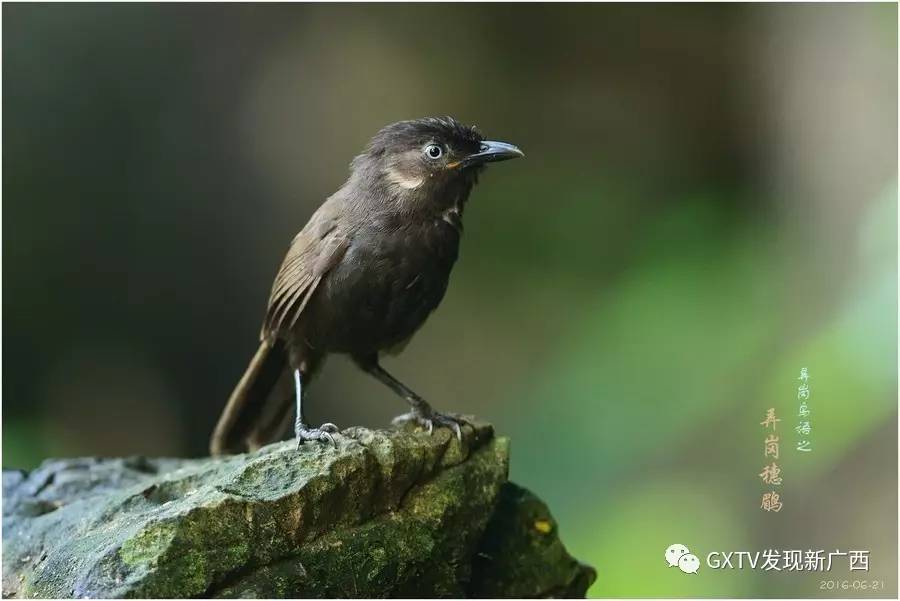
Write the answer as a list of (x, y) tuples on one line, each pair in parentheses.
[(708, 204)]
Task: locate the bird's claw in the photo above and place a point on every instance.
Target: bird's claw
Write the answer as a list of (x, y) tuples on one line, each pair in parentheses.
[(323, 433), (428, 421)]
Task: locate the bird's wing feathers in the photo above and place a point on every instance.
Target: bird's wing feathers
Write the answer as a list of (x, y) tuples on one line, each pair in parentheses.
[(313, 252)]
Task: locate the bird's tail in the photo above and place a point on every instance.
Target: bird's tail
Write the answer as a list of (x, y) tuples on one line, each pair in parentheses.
[(259, 410)]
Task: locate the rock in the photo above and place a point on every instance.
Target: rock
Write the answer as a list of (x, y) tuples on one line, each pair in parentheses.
[(385, 514)]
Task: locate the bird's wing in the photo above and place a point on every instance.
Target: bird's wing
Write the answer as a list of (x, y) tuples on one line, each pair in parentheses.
[(313, 252)]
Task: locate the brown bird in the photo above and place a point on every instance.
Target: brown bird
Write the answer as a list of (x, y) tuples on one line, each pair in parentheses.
[(361, 277)]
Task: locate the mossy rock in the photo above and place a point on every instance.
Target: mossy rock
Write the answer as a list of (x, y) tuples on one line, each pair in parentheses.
[(385, 514)]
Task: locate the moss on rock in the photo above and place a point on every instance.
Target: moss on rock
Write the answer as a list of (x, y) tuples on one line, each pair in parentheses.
[(385, 514)]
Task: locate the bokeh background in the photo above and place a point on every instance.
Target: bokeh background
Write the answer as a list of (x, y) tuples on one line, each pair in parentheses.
[(708, 204)]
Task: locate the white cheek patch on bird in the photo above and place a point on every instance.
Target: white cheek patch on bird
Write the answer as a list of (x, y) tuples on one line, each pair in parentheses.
[(403, 180)]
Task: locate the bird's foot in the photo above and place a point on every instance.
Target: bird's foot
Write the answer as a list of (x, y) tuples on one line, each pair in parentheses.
[(428, 420), (323, 432)]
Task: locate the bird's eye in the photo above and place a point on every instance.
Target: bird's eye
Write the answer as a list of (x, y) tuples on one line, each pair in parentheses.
[(433, 151)]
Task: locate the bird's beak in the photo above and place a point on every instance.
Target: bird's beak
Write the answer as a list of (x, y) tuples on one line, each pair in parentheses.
[(491, 152)]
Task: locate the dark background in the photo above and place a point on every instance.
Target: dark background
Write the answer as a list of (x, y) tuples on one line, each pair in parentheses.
[(708, 204)]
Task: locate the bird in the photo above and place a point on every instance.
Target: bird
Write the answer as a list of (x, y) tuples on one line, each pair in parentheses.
[(361, 277)]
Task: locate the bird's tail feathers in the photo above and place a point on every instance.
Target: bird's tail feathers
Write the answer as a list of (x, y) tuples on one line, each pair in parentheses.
[(259, 409)]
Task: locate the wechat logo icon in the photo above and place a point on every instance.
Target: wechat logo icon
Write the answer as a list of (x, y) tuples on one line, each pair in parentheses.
[(679, 556)]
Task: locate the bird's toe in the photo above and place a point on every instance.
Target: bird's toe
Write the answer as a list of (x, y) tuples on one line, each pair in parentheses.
[(429, 420), (316, 434)]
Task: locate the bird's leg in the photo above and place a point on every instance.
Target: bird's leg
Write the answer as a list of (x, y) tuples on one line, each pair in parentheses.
[(301, 430), (421, 413)]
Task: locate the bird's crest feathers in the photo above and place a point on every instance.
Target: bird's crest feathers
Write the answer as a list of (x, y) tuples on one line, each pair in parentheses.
[(408, 134)]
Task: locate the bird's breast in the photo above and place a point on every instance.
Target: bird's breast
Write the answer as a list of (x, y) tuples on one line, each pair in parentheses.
[(386, 285)]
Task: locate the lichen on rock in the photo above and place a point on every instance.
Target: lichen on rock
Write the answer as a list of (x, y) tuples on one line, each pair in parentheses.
[(394, 513)]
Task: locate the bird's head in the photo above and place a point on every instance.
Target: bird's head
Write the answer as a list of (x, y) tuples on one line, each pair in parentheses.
[(425, 157)]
